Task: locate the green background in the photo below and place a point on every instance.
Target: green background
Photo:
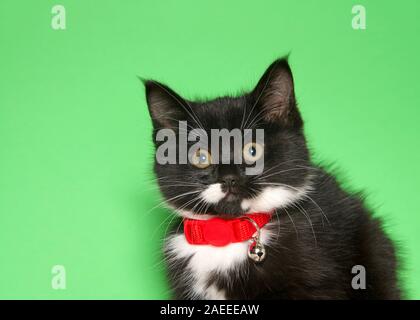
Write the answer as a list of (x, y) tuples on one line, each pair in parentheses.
[(76, 185)]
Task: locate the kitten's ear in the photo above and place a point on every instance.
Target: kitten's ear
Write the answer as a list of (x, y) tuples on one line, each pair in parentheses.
[(275, 97), (166, 107)]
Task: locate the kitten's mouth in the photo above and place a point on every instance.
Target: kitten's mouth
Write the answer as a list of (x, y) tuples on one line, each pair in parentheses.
[(223, 200), (231, 196)]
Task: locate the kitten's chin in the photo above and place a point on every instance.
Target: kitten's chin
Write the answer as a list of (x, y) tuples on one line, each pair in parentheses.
[(226, 209), (230, 206)]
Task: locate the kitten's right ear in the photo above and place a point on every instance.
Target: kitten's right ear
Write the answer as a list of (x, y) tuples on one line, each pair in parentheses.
[(166, 107)]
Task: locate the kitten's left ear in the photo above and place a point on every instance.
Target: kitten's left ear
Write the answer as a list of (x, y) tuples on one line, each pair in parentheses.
[(275, 97)]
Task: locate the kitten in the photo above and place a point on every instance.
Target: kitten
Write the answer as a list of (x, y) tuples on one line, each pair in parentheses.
[(317, 232)]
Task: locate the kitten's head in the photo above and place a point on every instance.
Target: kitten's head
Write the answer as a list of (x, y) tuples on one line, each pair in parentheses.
[(203, 186)]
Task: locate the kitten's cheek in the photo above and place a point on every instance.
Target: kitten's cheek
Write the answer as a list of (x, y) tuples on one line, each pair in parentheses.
[(246, 204), (213, 193)]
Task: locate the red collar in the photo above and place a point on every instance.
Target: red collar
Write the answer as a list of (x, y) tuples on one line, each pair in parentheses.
[(220, 232)]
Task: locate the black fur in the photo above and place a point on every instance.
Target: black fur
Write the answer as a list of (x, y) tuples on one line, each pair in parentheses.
[(320, 238)]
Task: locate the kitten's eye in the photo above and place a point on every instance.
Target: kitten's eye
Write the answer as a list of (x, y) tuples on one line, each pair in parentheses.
[(252, 151), (201, 159)]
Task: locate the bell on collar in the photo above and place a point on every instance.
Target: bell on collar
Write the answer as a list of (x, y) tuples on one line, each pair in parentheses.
[(256, 251)]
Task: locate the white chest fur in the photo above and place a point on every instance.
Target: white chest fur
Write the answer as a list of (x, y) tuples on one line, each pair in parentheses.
[(206, 259)]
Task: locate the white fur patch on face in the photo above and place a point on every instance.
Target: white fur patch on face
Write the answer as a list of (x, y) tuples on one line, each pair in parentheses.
[(272, 198), (205, 259), (213, 193)]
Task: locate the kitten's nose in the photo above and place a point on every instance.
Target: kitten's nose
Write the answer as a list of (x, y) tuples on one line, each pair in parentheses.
[(229, 180)]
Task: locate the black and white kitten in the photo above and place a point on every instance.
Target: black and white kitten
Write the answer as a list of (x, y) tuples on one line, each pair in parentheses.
[(318, 233)]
